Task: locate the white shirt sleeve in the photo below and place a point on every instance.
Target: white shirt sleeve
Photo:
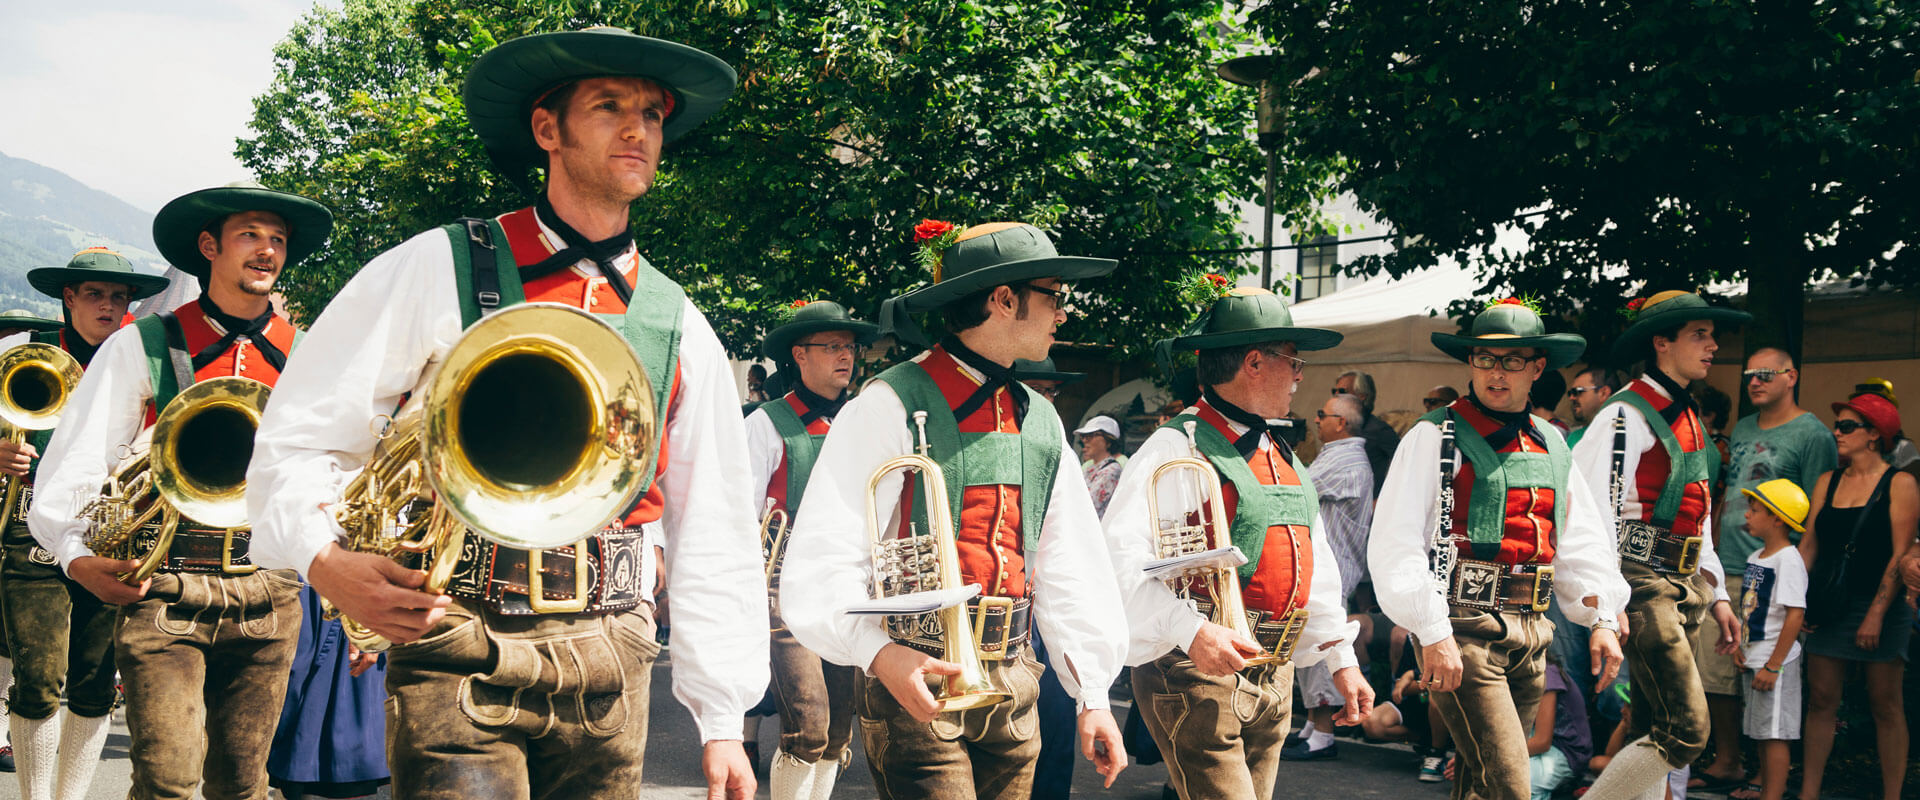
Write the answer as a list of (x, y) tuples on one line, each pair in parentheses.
[(1593, 459), (102, 418), (765, 449), (1078, 609), (1402, 534), (1585, 560), (1158, 620)]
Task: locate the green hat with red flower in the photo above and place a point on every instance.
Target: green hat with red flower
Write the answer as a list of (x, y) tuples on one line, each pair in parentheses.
[(1245, 315), (1513, 323), (810, 318), (980, 257), (1664, 312)]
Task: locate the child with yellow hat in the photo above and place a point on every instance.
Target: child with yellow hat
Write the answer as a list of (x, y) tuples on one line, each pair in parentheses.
[(1772, 606)]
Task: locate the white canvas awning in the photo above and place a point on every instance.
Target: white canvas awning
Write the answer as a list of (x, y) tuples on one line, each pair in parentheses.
[(1389, 319)]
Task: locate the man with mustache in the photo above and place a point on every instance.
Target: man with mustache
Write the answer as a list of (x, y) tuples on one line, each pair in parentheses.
[(204, 645)]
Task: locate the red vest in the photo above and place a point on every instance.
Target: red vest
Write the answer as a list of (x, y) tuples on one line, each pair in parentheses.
[(987, 534), (1655, 465), (1284, 579), (1528, 535), (777, 483), (242, 360)]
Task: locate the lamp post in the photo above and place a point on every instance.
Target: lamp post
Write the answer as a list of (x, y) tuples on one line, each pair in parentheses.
[(1257, 71)]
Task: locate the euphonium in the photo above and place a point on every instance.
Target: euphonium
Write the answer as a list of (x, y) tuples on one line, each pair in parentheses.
[(190, 466), (535, 432), (774, 526), (1178, 538), (35, 381), (930, 562)]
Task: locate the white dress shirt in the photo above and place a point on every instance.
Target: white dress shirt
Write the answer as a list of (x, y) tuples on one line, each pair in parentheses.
[(1076, 607), (1161, 621), (382, 336), (1593, 458), (765, 450), (1584, 561)]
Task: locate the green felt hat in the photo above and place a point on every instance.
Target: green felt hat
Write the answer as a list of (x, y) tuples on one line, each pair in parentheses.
[(982, 257), (814, 317), (1249, 315), (1511, 324), (1665, 311), (1043, 370), (506, 83), (95, 264), (176, 229), (18, 319)]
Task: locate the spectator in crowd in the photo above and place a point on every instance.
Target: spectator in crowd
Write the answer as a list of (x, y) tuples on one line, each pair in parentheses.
[(1378, 434), (1440, 397), (1903, 456), (1591, 388), (1407, 718), (1562, 741), (1864, 517), (1716, 410), (1544, 399), (756, 385), (1772, 606), (1344, 481), (1099, 442)]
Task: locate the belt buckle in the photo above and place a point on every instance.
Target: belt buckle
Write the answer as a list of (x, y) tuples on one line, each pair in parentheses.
[(26, 499), (1293, 622), (226, 556), (537, 586), (1476, 585), (992, 649), (1542, 587), (1637, 541), (1689, 555)]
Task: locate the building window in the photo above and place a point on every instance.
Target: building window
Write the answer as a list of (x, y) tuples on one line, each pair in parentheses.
[(1319, 263)]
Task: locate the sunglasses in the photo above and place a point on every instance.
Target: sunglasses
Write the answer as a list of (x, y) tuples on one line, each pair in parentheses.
[(1337, 391), (1431, 402), (1059, 295), (1762, 375), (1507, 363), (1580, 390), (1849, 425)]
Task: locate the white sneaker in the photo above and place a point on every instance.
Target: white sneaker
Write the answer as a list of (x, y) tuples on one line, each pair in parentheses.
[(1433, 769)]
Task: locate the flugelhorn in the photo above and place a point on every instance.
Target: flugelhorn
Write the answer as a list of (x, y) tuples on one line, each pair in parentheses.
[(1177, 537), (536, 431), (929, 562), (774, 526), (35, 381)]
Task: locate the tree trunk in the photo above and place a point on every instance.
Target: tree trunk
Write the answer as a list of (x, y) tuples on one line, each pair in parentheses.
[(1776, 296)]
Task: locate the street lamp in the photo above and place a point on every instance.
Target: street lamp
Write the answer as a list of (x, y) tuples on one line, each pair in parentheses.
[(1257, 71)]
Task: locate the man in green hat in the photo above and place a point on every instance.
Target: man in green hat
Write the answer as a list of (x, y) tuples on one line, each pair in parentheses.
[(205, 644), (486, 698), (1485, 519), (1043, 377), (1647, 451), (818, 349), (60, 635), (1023, 530), (1218, 741)]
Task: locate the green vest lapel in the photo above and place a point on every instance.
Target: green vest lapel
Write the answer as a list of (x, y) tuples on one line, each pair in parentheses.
[(1687, 468), (802, 448), (1259, 506), (1495, 473)]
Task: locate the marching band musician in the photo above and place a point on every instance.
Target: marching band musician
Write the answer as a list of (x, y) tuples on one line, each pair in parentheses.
[(1521, 527), (1661, 471), (491, 696), (1025, 529), (820, 344), (1216, 744), (60, 635), (204, 645)]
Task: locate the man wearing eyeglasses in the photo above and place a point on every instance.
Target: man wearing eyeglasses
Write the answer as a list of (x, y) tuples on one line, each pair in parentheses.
[(1439, 396), (1379, 436), (1591, 389)]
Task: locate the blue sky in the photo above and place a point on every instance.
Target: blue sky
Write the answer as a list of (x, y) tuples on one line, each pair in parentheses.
[(137, 98)]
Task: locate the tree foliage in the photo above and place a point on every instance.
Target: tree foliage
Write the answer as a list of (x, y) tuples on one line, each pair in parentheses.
[(1671, 143), (855, 119)]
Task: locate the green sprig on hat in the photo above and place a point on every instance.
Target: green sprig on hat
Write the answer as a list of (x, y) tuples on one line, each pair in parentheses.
[(931, 238), (1201, 288)]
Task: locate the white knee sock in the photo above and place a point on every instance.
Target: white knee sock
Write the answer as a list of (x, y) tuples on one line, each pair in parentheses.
[(6, 682), (80, 741), (825, 772), (35, 743), (792, 778), (1638, 771)]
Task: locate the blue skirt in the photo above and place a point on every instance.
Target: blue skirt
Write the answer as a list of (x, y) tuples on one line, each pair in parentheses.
[(332, 739)]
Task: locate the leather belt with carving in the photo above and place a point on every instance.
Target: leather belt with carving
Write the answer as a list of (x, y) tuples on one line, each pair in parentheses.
[(209, 552), (1659, 548), (600, 575), (1493, 586), (1001, 626), (26, 501), (1276, 633)]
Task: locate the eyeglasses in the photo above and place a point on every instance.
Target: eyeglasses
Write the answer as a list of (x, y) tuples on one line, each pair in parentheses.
[(1432, 402), (1299, 364), (1049, 392), (1060, 295), (1762, 375), (1849, 425), (1507, 363), (1324, 415), (834, 349)]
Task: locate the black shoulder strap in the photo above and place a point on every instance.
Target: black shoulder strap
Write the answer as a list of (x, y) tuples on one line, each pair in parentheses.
[(486, 282)]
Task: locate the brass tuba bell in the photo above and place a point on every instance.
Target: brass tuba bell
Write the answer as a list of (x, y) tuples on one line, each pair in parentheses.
[(774, 526), (35, 381)]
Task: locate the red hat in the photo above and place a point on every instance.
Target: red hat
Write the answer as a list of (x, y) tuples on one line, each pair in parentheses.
[(1878, 412)]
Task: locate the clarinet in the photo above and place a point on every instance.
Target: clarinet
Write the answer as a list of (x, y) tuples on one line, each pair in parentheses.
[(1617, 486), (1443, 552)]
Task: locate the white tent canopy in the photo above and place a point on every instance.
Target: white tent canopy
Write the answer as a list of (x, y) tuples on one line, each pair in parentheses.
[(1387, 319)]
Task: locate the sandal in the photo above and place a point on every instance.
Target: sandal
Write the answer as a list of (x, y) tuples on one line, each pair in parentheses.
[(1750, 791), (1709, 783)]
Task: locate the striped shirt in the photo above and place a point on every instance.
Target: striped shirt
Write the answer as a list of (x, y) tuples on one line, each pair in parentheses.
[(1344, 479)]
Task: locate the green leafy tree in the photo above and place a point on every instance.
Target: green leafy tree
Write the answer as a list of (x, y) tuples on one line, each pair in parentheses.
[(1664, 143), (854, 120)]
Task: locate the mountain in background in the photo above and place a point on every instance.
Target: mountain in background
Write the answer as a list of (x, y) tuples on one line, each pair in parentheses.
[(46, 216)]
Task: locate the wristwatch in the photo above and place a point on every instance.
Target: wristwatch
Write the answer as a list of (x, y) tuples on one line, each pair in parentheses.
[(1607, 625)]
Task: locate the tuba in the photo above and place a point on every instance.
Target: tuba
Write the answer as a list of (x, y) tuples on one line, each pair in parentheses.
[(190, 465), (1177, 538), (536, 431), (929, 562), (35, 381), (774, 526)]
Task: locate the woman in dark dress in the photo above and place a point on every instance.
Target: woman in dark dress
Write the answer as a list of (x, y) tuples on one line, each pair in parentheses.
[(1869, 622), (332, 739)]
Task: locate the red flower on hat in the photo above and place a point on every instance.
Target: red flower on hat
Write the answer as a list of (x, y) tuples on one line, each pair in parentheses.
[(801, 303), (1511, 301), (1636, 303), (1219, 280), (930, 229)]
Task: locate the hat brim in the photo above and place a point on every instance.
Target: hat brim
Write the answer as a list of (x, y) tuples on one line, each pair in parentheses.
[(505, 83), (1063, 377), (1066, 268), (176, 229), (50, 280), (30, 324), (1303, 339), (779, 343), (1781, 515), (1634, 339), (1561, 349)]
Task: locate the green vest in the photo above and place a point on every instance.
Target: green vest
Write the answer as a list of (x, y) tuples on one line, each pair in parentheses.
[(1494, 473), (169, 365), (1687, 468), (802, 448), (1028, 459), (1258, 506), (651, 325)]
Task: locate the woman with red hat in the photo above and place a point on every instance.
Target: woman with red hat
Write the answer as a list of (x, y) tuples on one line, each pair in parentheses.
[(1864, 516)]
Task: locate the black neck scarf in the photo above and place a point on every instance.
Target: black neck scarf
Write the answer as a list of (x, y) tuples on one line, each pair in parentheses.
[(1513, 424), (817, 406), (996, 377), (1257, 426), (602, 252), (254, 329), (76, 345), (1682, 399)]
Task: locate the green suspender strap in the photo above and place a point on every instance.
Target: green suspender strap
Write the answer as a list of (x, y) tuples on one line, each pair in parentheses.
[(801, 447), (1495, 473), (1259, 506), (488, 278), (1687, 468), (1028, 459), (168, 364)]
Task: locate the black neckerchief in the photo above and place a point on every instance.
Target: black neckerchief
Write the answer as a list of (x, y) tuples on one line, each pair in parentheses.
[(1513, 424), (602, 252), (996, 377), (1257, 426), (254, 329), (1682, 399), (76, 345), (818, 406)]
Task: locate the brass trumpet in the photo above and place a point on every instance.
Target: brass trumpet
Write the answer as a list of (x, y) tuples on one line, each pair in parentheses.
[(1177, 538), (929, 562), (35, 381), (774, 526)]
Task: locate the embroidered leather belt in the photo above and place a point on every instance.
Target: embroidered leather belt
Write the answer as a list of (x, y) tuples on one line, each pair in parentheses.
[(1276, 633), (599, 575), (1493, 586), (1001, 626), (1659, 548), (209, 552), (26, 500)]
